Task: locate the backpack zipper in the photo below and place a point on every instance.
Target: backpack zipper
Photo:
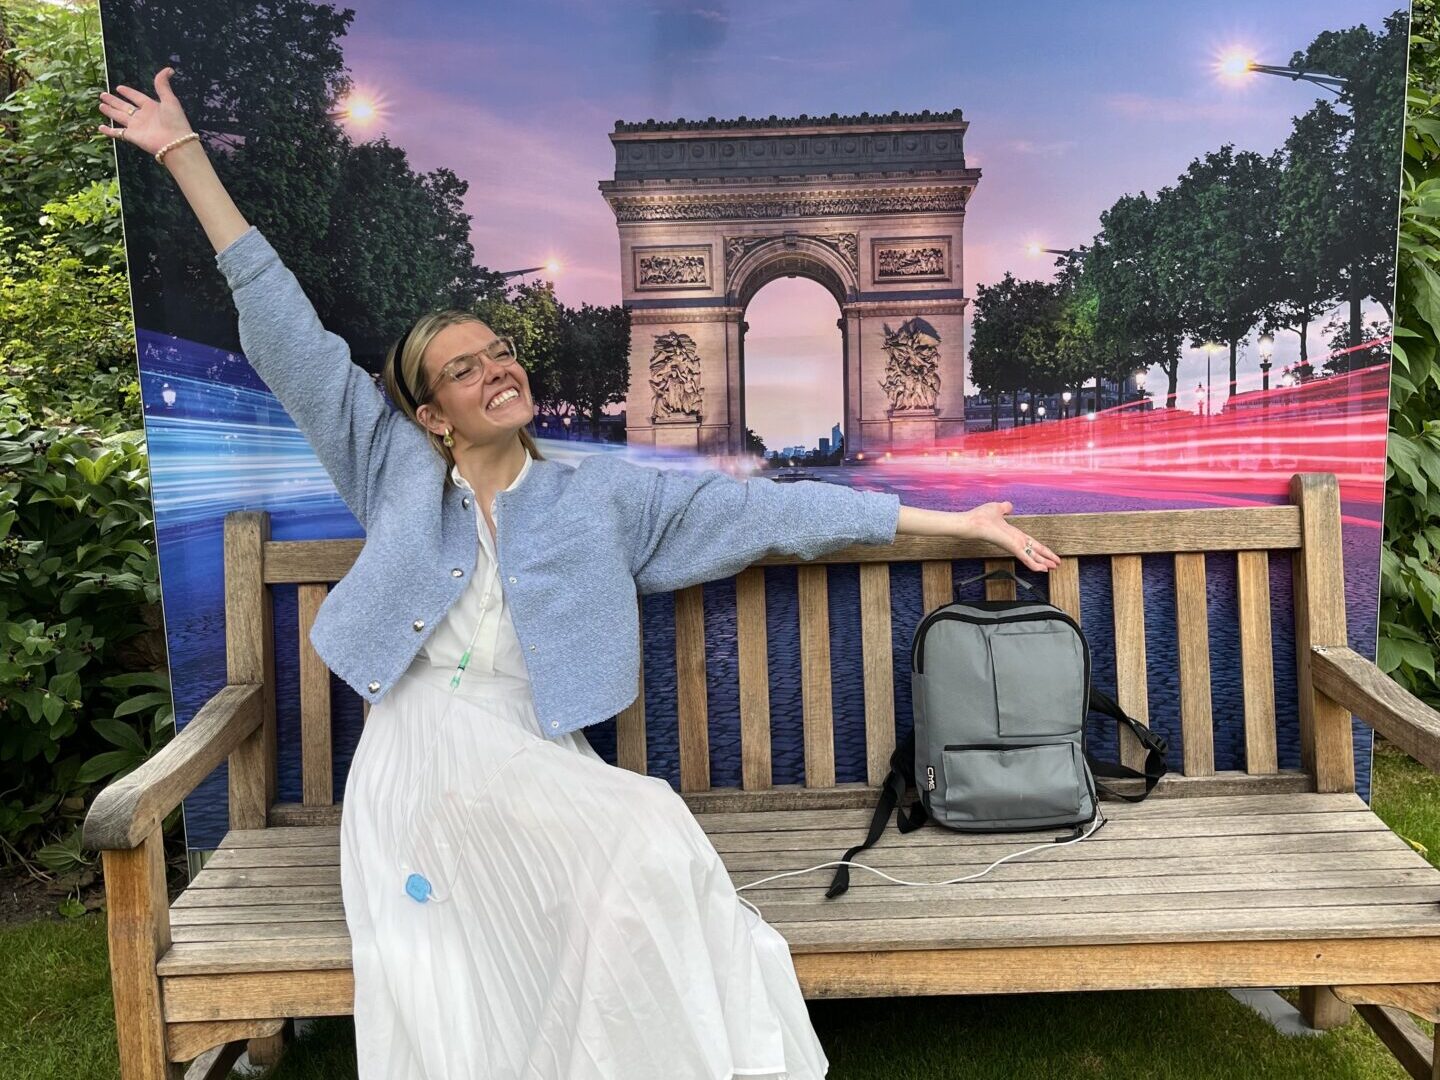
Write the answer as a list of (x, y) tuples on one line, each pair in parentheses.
[(1032, 616)]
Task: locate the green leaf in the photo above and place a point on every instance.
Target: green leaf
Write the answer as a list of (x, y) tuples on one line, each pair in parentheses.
[(121, 734)]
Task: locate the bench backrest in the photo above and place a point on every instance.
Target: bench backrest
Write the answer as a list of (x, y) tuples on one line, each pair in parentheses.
[(1308, 528)]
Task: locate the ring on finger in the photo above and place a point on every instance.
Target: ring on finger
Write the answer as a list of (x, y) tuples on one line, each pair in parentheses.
[(134, 109)]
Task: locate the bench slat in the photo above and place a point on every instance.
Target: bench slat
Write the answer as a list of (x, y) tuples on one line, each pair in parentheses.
[(945, 932), (1257, 661), (1140, 532), (258, 923), (1192, 627), (878, 660), (961, 932), (753, 651), (936, 585), (817, 718), (630, 750), (777, 849), (1131, 691), (317, 784), (691, 704), (1000, 588), (1283, 828), (849, 819), (1065, 586)]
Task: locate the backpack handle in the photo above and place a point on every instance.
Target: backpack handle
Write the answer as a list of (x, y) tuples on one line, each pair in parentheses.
[(996, 573)]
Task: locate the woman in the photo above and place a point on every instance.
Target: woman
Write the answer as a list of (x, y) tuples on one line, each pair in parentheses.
[(517, 906)]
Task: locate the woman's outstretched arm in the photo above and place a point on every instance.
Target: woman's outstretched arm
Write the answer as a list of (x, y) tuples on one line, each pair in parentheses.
[(690, 526), (332, 400)]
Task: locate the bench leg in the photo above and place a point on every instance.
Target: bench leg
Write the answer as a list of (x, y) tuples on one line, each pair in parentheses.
[(267, 1051), (1321, 1009), (138, 924)]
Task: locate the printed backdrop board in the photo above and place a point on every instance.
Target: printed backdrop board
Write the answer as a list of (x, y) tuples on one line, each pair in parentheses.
[(1078, 257)]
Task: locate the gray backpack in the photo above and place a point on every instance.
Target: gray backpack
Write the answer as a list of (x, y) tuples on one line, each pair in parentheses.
[(1000, 692)]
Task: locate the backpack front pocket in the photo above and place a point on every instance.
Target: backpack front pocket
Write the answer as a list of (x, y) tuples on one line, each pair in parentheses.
[(1039, 671), (1014, 783)]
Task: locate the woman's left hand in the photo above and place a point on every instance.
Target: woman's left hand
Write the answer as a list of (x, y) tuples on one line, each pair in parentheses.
[(987, 522)]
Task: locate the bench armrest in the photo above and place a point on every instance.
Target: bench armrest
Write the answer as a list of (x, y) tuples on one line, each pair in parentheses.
[(1357, 684), (125, 812)]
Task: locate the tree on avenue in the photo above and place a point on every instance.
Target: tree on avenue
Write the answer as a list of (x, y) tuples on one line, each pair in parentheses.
[(1225, 235), (1311, 210), (1141, 286), (596, 344), (1368, 165), (997, 331)]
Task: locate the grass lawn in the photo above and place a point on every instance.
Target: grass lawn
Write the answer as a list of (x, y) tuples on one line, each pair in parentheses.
[(57, 1022)]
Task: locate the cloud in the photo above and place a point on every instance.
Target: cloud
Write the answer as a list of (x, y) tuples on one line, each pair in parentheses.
[(1179, 110), (1054, 148)]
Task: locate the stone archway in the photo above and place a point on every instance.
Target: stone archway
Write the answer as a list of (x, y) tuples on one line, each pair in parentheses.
[(872, 208)]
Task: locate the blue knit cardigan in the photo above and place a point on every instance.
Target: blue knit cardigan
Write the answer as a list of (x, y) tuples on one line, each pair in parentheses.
[(574, 542)]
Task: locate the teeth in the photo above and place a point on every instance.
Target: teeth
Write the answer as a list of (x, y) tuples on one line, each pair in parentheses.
[(502, 397)]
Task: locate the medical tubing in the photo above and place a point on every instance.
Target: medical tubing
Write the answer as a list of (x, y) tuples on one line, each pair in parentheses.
[(419, 885)]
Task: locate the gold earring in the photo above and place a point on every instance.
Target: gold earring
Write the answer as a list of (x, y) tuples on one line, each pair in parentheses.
[(448, 441)]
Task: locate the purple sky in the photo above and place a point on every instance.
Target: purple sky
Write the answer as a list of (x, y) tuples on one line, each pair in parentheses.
[(1070, 106)]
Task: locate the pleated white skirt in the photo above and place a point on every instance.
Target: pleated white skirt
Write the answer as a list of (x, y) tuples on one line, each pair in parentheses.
[(519, 909)]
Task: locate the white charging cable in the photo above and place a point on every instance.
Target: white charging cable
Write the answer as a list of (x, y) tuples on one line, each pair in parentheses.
[(1100, 819)]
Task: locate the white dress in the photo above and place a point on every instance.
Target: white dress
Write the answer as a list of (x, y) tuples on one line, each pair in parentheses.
[(520, 909)]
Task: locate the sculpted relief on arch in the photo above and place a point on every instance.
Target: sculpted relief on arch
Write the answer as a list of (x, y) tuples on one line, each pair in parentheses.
[(912, 366), (675, 378)]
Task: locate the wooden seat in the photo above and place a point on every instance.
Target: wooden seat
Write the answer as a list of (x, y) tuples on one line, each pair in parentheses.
[(1259, 876), (1226, 868)]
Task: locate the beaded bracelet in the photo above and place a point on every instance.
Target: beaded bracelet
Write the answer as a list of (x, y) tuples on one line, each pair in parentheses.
[(160, 154)]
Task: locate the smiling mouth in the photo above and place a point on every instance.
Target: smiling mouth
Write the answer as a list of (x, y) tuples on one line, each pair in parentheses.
[(503, 398)]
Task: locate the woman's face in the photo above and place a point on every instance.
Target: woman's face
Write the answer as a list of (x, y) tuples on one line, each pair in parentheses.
[(466, 406)]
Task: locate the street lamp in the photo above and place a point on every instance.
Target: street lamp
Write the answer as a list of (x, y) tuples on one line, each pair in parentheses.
[(1267, 348), (1040, 411), (566, 422), (1236, 64), (1065, 397), (553, 266), (1073, 253), (1024, 408), (1210, 347)]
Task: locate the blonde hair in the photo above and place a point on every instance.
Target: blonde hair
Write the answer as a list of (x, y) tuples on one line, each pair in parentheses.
[(418, 380)]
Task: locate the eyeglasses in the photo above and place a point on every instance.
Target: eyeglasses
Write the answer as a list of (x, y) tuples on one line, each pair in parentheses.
[(463, 368)]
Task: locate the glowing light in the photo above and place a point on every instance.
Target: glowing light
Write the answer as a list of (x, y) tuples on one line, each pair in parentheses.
[(553, 265), (1032, 249), (1234, 64), (361, 107)]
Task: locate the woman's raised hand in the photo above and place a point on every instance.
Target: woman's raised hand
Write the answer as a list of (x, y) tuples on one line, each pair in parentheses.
[(146, 122)]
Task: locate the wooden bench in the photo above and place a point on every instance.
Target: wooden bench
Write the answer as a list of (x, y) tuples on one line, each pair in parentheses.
[(1262, 877)]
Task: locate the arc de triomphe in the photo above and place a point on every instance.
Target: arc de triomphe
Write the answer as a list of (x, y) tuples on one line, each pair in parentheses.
[(871, 207)]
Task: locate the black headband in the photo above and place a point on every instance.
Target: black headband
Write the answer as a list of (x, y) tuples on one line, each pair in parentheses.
[(400, 371)]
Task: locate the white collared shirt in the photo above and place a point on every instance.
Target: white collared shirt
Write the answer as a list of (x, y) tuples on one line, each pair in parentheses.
[(497, 649)]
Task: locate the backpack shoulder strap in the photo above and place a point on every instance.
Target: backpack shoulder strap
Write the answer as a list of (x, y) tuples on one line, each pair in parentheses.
[(1154, 743), (902, 772)]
